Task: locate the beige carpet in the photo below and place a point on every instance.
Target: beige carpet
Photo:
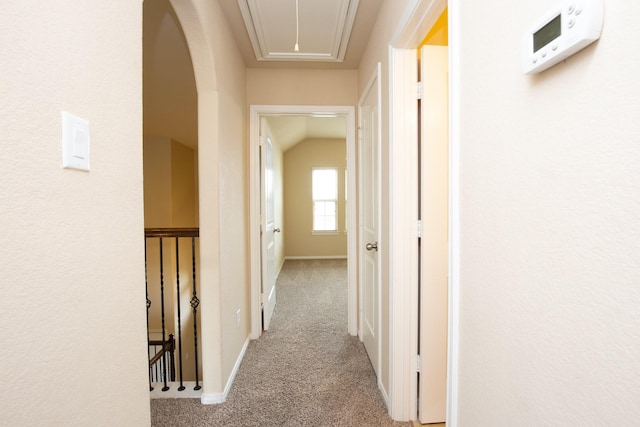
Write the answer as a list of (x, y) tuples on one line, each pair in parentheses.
[(305, 371)]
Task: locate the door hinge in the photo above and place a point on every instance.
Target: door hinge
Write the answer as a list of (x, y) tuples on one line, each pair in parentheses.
[(418, 363), (419, 229), (419, 90)]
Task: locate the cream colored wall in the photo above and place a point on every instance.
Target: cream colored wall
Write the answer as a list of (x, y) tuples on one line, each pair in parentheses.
[(549, 230), (73, 325), (298, 207), (389, 19), (301, 87), (183, 188), (170, 197), (157, 182), (222, 167), (233, 206)]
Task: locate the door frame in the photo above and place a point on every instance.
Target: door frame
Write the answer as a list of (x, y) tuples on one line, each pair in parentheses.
[(404, 192), (256, 112)]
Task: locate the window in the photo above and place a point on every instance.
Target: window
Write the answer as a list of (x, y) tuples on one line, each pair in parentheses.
[(325, 199)]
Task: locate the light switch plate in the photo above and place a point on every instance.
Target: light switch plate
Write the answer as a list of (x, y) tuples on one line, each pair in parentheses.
[(75, 142)]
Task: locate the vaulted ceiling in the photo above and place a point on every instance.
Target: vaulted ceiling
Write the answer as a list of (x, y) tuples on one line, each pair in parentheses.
[(289, 130), (332, 34)]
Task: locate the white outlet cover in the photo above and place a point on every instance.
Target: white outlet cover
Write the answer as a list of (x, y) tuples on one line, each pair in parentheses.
[(75, 142)]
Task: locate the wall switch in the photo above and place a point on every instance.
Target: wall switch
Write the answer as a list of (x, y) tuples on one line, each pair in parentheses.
[(75, 142), (238, 318)]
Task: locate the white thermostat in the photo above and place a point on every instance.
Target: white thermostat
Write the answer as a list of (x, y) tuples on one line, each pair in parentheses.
[(566, 29)]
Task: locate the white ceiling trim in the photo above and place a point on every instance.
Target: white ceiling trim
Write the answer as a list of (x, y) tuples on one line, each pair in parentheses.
[(325, 28)]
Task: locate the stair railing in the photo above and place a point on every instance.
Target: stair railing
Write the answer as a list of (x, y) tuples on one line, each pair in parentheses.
[(162, 361)]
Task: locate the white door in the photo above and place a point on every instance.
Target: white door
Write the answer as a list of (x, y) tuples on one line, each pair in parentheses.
[(434, 191), (268, 228), (369, 186)]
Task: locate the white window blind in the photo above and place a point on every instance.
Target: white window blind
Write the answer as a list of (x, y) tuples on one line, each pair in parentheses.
[(325, 199)]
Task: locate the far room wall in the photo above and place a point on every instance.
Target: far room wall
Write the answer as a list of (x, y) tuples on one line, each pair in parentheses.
[(299, 161), (170, 201), (170, 197)]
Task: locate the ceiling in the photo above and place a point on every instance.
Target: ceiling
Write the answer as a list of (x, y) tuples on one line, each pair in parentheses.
[(332, 35), (290, 129), (328, 31)]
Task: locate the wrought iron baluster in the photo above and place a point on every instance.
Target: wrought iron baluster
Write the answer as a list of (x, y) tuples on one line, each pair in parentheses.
[(161, 369), (179, 321), (146, 289), (164, 338), (172, 358), (158, 373), (165, 367), (195, 302)]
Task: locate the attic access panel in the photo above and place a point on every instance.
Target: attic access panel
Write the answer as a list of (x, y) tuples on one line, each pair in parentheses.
[(324, 28)]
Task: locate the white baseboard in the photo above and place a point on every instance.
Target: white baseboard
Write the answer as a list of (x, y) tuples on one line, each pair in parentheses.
[(214, 398), (316, 257), (384, 393), (280, 268)]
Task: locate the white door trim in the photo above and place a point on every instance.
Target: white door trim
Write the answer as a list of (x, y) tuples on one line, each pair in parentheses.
[(420, 17), (255, 113), (454, 214)]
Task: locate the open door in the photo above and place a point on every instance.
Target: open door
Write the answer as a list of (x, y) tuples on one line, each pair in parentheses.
[(434, 191), (369, 113), (268, 282)]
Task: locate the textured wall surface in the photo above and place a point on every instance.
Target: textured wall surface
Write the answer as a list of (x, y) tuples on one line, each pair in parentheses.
[(299, 162), (550, 237), (72, 310), (222, 182), (301, 87)]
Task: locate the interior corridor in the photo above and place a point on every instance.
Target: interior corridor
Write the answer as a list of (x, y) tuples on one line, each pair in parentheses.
[(306, 370)]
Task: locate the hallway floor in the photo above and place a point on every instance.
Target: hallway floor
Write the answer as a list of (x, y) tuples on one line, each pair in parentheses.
[(306, 370)]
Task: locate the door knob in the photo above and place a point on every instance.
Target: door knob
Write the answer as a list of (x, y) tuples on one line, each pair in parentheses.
[(276, 230), (372, 246)]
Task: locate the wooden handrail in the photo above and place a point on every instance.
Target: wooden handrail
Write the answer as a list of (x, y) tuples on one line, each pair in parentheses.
[(169, 347), (171, 232)]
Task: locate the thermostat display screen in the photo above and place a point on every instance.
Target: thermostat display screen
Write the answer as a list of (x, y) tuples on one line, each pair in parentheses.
[(551, 31)]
